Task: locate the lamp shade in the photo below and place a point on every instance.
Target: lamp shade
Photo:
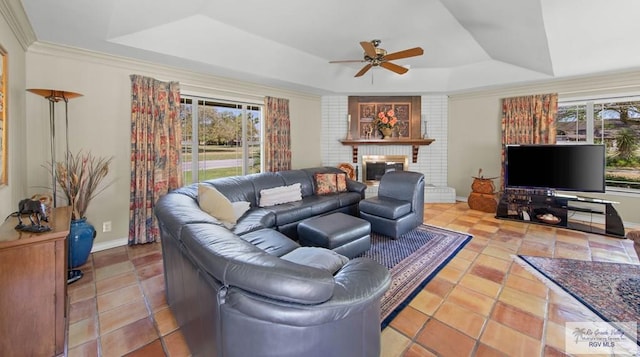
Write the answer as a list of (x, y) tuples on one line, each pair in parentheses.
[(54, 94)]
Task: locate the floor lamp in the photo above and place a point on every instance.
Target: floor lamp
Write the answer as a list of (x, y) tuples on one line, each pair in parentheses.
[(54, 96)]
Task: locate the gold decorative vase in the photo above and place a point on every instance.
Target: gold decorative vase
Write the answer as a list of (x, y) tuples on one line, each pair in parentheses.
[(386, 133)]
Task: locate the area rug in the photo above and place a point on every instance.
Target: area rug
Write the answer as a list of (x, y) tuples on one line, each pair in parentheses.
[(413, 260), (610, 290)]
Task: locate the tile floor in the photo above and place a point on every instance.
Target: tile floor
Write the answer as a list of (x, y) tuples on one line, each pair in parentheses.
[(480, 304)]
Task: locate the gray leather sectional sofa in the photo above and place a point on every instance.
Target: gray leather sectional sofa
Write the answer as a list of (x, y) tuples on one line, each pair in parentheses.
[(253, 290)]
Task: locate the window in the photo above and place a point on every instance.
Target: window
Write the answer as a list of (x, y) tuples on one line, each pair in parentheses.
[(613, 122), (219, 138)]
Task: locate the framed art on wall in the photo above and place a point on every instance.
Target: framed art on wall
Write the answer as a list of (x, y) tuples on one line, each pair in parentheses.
[(365, 110)]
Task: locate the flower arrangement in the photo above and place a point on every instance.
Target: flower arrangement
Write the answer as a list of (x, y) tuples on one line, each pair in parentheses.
[(386, 119), (80, 180)]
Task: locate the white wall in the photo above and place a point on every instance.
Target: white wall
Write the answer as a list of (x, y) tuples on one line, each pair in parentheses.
[(475, 130), (99, 121), (16, 164)]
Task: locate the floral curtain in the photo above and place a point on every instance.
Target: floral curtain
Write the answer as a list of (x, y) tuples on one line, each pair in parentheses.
[(528, 120), (155, 152), (277, 148)]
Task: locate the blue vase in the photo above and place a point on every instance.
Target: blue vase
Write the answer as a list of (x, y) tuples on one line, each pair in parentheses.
[(81, 236)]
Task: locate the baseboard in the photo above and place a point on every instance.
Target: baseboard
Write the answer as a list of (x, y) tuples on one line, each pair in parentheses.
[(114, 243)]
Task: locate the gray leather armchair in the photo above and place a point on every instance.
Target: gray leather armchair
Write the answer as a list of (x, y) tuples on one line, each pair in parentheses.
[(399, 206)]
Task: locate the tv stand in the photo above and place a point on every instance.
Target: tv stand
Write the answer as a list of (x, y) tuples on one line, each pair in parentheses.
[(566, 211)]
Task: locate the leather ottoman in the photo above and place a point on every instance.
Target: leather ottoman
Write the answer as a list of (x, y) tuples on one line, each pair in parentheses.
[(342, 233)]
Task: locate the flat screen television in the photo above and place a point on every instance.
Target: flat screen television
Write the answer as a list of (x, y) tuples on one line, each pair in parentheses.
[(575, 167)]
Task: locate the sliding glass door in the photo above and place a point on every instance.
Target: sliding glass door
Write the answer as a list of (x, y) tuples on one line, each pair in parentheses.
[(220, 138)]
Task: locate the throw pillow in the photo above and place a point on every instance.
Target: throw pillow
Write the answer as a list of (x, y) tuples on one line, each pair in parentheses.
[(218, 205), (240, 207), (341, 182), (281, 194), (327, 183)]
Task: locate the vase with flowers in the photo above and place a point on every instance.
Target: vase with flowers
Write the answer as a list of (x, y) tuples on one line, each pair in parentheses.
[(80, 179), (386, 121)]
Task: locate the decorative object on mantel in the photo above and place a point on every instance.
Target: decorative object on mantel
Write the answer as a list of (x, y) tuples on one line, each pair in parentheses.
[(424, 128), (483, 195), (386, 121)]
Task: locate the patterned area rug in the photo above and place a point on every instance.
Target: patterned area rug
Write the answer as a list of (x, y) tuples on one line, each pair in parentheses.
[(413, 260), (610, 290)]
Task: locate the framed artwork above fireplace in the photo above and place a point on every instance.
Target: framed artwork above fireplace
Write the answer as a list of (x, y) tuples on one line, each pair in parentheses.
[(363, 110)]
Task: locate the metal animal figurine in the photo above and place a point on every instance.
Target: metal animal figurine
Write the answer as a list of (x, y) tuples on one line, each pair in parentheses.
[(37, 213)]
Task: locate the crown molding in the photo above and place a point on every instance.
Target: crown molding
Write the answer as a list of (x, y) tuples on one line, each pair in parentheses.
[(17, 19), (192, 81)]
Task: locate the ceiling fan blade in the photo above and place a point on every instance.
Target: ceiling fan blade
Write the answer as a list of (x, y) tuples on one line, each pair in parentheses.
[(394, 67), (364, 70), (416, 51), (347, 61), (369, 49)]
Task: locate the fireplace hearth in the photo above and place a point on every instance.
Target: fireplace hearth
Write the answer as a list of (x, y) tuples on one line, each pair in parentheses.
[(374, 166)]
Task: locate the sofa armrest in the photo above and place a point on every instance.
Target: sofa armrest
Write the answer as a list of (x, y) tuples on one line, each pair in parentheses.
[(360, 283), (356, 186)]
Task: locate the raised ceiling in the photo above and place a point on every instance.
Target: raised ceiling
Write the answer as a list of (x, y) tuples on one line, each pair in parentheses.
[(468, 44)]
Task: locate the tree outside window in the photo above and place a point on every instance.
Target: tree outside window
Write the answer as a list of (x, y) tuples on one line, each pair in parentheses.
[(615, 123)]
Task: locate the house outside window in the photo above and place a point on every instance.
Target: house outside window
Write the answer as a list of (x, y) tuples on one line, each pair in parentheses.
[(220, 138), (614, 122)]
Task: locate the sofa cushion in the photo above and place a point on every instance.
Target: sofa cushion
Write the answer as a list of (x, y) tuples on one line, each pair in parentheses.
[(316, 257), (291, 212), (218, 205), (235, 188), (298, 176), (271, 241), (321, 204), (278, 195), (385, 207)]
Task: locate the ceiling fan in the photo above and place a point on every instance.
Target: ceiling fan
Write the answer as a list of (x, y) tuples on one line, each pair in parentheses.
[(378, 57)]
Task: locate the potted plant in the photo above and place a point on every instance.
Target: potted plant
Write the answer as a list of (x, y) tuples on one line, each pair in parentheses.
[(79, 178)]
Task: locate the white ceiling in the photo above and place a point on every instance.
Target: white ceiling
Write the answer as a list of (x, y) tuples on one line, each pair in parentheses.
[(468, 44)]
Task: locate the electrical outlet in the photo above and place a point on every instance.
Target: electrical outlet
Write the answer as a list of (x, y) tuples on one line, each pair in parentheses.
[(106, 226)]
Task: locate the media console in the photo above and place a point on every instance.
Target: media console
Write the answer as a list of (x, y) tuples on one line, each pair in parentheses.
[(573, 212)]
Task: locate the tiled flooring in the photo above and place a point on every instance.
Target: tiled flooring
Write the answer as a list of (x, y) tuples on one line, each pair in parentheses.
[(480, 304)]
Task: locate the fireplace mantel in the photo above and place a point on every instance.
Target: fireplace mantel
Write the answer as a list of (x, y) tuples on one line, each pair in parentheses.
[(415, 144)]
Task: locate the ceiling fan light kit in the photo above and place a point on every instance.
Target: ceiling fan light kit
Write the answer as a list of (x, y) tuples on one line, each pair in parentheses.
[(375, 56)]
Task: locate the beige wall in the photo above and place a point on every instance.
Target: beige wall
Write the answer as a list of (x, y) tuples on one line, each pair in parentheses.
[(99, 121), (475, 136), (16, 168)]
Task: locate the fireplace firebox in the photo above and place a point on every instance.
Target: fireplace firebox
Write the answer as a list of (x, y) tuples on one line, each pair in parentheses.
[(374, 166)]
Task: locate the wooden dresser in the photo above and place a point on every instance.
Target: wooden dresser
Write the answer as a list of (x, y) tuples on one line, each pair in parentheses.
[(33, 287)]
